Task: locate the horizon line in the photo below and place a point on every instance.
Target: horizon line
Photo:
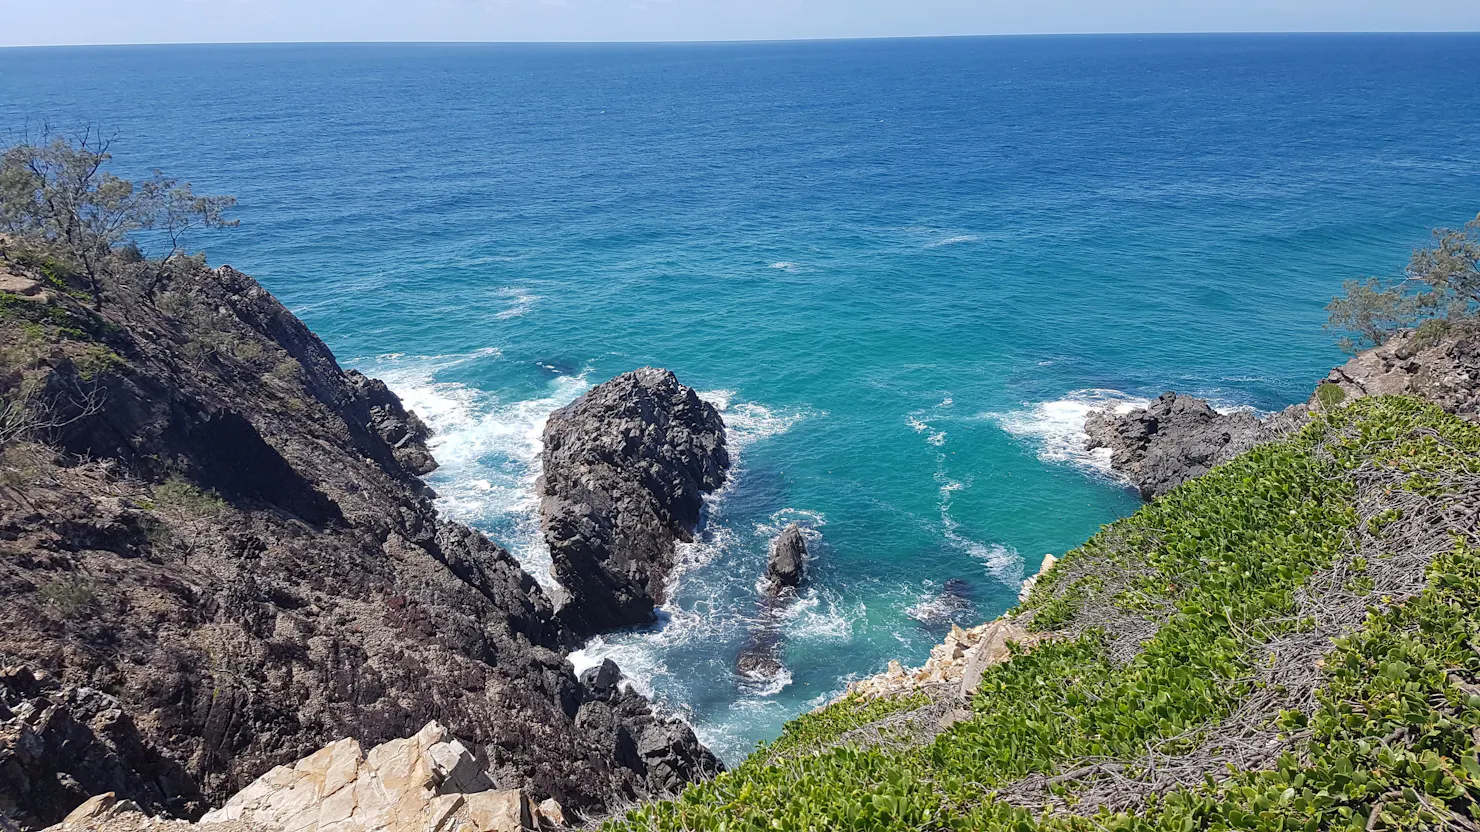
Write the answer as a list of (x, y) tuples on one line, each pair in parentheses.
[(723, 41)]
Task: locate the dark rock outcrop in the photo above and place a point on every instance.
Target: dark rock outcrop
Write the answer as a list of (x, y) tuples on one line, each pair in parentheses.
[(788, 559), (759, 661), (666, 751), (1173, 440), (626, 467), (1179, 437), (61, 744), (227, 534)]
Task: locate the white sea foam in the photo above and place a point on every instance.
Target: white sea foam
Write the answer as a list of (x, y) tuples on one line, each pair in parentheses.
[(952, 241), (520, 302), (749, 422), (1057, 427), (786, 266), (1002, 562), (488, 450)]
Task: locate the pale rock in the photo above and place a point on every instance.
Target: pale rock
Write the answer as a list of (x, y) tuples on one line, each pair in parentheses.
[(92, 808), (552, 813), (504, 811), (428, 782)]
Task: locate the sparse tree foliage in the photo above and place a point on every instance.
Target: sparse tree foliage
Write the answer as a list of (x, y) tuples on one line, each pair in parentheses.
[(55, 193), (1442, 280)]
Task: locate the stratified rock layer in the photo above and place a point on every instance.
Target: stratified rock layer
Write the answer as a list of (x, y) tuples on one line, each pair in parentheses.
[(626, 467)]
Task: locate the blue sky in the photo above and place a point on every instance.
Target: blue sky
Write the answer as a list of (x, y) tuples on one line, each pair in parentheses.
[(45, 22)]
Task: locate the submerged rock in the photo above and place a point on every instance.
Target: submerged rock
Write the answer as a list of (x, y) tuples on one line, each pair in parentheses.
[(626, 467)]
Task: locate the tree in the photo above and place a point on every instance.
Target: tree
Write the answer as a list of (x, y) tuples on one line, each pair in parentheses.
[(1442, 279), (56, 193)]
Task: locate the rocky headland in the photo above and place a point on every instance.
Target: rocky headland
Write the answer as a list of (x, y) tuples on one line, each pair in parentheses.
[(216, 557), (1179, 437), (625, 471)]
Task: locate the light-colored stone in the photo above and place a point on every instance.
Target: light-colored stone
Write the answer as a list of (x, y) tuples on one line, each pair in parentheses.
[(552, 813), (504, 811), (428, 782), (94, 807)]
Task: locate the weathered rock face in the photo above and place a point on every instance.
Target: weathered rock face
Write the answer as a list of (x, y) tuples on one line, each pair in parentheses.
[(60, 744), (228, 535), (1444, 370), (1173, 440), (664, 750), (626, 467)]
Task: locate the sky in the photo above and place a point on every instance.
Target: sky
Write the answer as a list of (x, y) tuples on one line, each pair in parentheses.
[(68, 22)]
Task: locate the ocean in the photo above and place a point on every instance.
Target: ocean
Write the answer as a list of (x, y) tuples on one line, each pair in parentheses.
[(904, 270)]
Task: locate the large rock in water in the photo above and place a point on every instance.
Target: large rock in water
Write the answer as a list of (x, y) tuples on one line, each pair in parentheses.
[(788, 559), (1173, 440), (626, 467)]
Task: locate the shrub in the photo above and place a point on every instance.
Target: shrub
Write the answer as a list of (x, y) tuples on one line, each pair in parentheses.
[(1329, 395), (69, 596)]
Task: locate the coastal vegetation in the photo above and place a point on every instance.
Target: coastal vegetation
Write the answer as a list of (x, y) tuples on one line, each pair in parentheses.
[(1287, 642), (1439, 288)]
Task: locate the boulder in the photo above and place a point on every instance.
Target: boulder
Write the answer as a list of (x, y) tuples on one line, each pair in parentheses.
[(625, 471), (788, 559)]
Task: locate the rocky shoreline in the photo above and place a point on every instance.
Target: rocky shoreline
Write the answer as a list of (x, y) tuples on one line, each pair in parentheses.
[(1178, 437)]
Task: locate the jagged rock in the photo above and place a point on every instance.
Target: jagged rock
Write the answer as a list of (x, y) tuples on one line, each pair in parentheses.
[(788, 559), (1443, 369), (759, 660), (664, 750), (550, 814), (626, 467), (959, 660), (1179, 437), (61, 744), (1171, 441), (230, 537)]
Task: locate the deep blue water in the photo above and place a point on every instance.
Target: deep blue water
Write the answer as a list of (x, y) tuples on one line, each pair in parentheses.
[(904, 268)]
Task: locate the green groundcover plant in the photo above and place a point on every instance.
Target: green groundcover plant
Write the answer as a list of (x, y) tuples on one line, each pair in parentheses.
[(1388, 741)]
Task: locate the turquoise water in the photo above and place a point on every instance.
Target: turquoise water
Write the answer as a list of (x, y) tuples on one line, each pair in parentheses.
[(904, 269)]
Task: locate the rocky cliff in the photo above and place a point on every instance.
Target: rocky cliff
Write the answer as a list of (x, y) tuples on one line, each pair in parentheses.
[(626, 467), (216, 557)]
